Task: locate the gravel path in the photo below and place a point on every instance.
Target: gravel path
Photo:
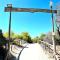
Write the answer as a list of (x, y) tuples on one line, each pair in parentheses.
[(34, 52)]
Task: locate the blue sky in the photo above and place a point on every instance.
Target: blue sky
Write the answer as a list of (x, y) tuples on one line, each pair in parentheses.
[(34, 23)]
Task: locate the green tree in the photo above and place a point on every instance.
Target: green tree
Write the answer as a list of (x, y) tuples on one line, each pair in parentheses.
[(6, 34), (18, 36), (12, 35), (36, 39), (25, 36), (42, 36)]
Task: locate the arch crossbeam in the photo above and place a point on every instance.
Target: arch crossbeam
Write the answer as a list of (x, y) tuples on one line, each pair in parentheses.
[(12, 9)]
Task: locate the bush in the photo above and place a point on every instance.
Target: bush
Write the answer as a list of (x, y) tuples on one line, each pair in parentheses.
[(29, 41), (16, 43), (57, 42)]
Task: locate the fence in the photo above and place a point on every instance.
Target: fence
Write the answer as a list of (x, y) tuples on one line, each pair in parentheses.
[(49, 47)]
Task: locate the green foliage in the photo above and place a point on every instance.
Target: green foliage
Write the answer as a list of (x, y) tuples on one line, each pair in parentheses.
[(7, 34), (42, 36), (35, 40), (3, 42), (25, 36), (16, 43), (29, 40), (18, 36)]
